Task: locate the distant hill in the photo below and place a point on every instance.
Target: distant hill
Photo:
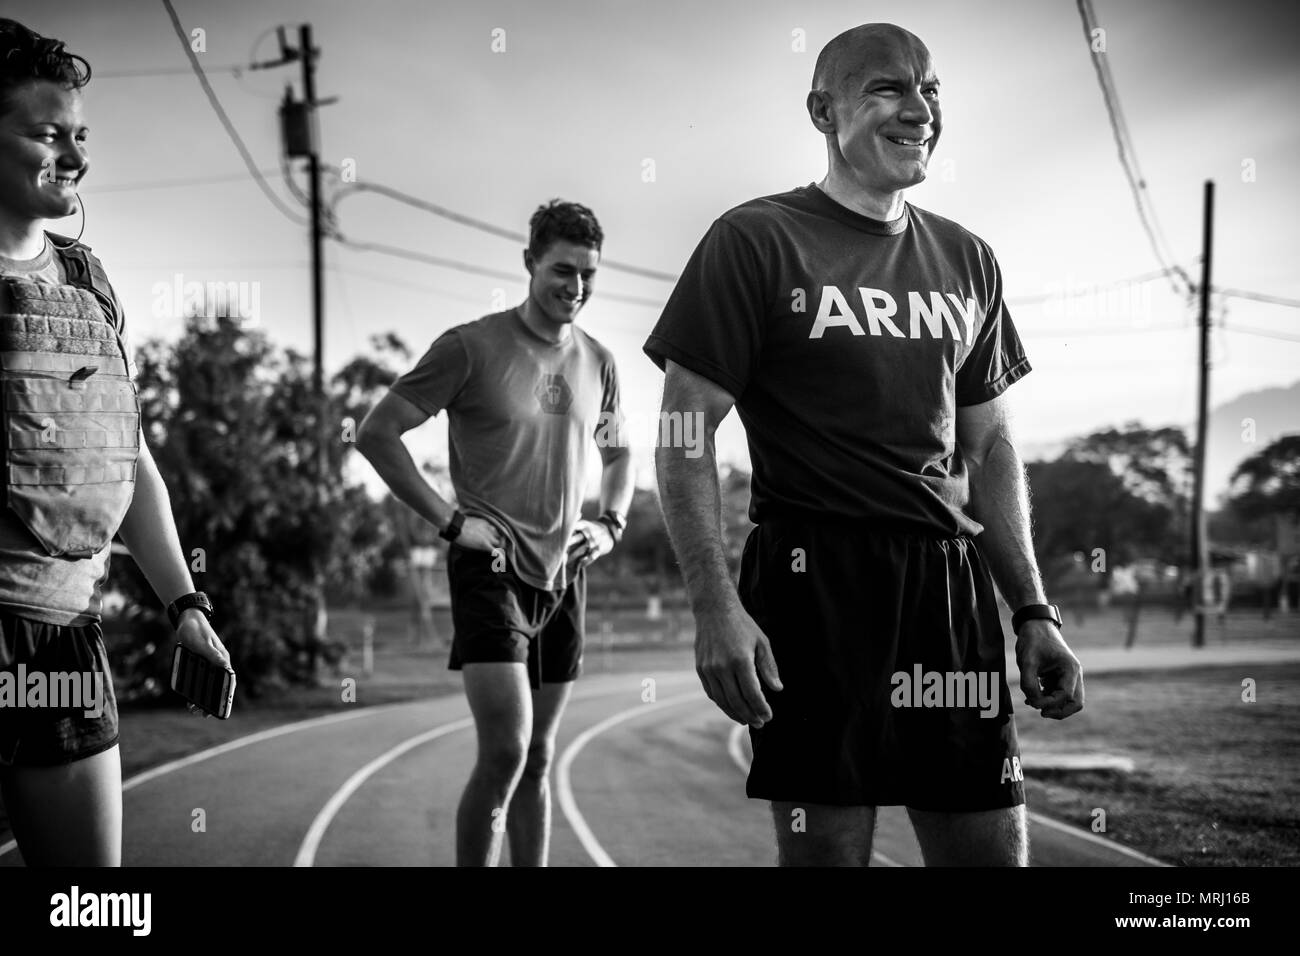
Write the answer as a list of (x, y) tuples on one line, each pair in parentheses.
[(1275, 411)]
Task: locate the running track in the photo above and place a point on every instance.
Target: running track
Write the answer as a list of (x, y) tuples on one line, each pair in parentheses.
[(635, 784)]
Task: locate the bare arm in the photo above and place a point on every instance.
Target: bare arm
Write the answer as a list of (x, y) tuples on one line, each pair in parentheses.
[(591, 539), (149, 533), (616, 483), (379, 439), (731, 651), (690, 495), (1000, 502)]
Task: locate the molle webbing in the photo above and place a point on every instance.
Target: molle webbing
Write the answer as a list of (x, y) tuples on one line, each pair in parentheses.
[(71, 415), (53, 319)]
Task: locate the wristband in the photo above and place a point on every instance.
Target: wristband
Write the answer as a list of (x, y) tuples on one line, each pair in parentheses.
[(615, 522), (452, 531), (197, 600), (1035, 612)]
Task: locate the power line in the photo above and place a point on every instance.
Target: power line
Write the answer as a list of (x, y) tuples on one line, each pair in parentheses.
[(1127, 154), (1090, 290), (1263, 333), (472, 268), (1094, 331), (491, 229), (399, 253), (398, 283), (225, 120), (174, 183), (162, 71), (1258, 297)]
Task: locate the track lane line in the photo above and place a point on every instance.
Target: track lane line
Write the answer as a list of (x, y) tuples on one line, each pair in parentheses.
[(1093, 838), (564, 787), (239, 742), (306, 855), (316, 832)]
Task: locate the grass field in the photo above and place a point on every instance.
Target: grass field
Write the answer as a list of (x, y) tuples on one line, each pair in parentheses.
[(1214, 784)]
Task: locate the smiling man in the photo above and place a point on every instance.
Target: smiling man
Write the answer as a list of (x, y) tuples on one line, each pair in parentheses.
[(527, 393), (865, 344)]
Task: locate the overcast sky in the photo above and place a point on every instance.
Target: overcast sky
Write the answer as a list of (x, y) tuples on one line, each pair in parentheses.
[(583, 94)]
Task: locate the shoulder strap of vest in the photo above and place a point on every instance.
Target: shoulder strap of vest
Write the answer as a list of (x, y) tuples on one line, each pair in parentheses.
[(85, 271)]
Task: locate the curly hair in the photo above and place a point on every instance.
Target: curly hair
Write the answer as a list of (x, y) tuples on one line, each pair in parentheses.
[(557, 220), (26, 56)]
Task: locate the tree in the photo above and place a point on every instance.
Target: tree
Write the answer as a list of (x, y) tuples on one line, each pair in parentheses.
[(235, 428), (1268, 482), (1153, 463), (1085, 505)]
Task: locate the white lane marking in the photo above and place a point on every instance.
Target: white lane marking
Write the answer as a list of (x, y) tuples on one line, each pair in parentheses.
[(1092, 837), (564, 787), (154, 772), (738, 758), (316, 832), (671, 677)]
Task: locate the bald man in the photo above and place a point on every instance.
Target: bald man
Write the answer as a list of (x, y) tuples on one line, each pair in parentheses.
[(866, 347)]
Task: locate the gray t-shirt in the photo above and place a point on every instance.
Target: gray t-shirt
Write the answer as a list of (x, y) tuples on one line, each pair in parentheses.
[(33, 584), (523, 414)]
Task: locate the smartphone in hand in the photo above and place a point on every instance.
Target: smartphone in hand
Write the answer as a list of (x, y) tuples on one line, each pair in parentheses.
[(204, 684)]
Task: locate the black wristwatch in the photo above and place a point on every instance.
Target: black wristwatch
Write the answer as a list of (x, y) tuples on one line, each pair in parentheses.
[(615, 522), (186, 601), (452, 531), (1035, 612)]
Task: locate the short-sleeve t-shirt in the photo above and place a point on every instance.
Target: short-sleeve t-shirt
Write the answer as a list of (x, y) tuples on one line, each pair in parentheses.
[(848, 344), (55, 590), (523, 415)]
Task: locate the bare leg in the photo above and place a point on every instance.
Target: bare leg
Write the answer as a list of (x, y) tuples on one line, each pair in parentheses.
[(811, 834), (69, 815), (529, 823), (500, 700), (983, 838)]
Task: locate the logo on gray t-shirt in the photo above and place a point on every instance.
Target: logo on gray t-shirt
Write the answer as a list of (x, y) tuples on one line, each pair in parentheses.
[(554, 395)]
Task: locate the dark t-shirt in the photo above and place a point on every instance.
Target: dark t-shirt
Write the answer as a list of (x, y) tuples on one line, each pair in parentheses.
[(523, 417), (848, 344)]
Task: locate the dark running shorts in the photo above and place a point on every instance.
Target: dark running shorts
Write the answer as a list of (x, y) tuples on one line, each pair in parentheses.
[(498, 618), (846, 609), (35, 654)]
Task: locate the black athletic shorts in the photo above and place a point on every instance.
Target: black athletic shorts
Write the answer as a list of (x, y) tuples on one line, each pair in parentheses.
[(497, 617), (891, 656), (43, 668)]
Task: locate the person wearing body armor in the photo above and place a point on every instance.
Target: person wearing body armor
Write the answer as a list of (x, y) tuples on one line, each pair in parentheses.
[(76, 473)]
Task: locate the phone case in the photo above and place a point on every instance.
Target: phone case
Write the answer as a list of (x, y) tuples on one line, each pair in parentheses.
[(201, 683)]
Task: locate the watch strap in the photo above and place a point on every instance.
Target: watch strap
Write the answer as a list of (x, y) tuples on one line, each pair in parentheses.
[(452, 531), (615, 522), (1035, 612), (185, 602)]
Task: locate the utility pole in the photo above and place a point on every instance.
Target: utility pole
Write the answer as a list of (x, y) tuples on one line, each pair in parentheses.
[(300, 129), (308, 53), (1200, 544), (301, 133)]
